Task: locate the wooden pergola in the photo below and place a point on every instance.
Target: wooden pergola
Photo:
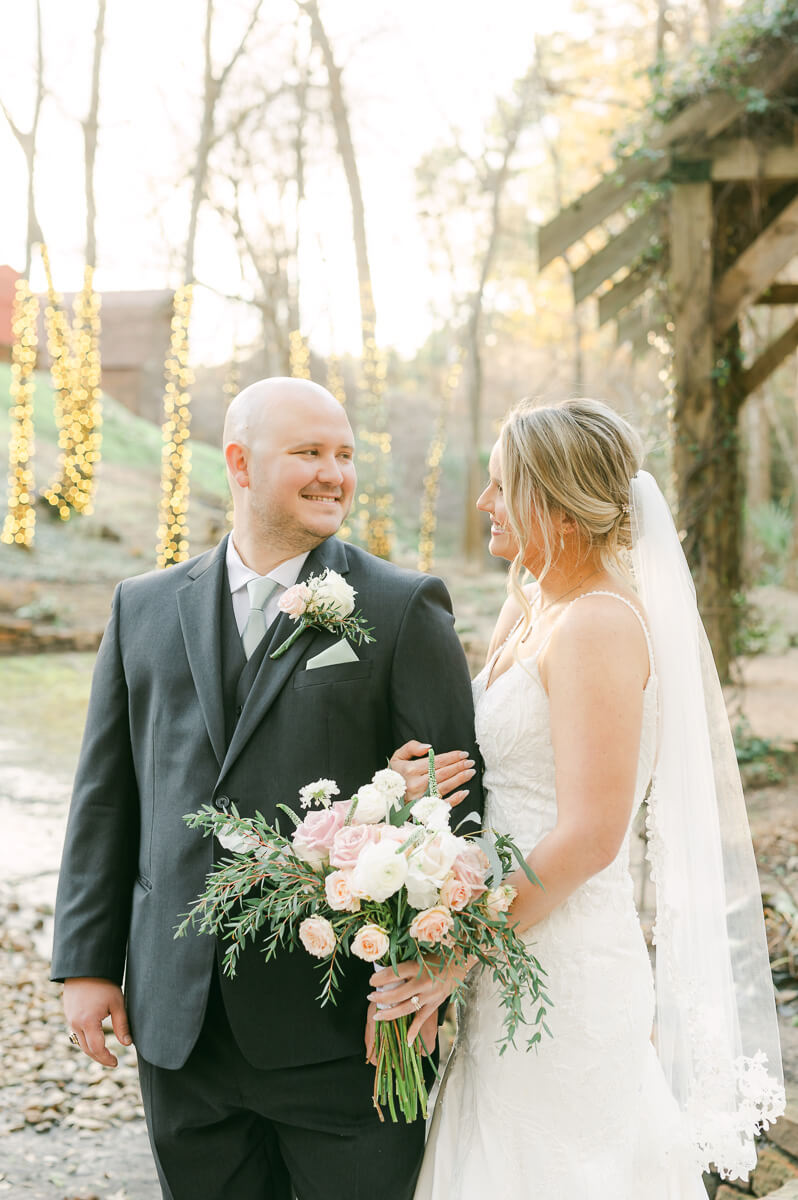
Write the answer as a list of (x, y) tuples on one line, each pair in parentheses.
[(705, 215)]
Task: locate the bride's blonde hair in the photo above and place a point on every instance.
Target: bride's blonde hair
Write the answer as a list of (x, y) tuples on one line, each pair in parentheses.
[(576, 458)]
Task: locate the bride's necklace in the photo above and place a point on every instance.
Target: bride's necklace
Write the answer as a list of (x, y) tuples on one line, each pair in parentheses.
[(557, 600)]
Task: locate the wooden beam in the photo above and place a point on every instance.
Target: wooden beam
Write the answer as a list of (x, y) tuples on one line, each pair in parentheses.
[(618, 253), (743, 159), (769, 359), (757, 266), (691, 221), (779, 293), (622, 294), (697, 123)]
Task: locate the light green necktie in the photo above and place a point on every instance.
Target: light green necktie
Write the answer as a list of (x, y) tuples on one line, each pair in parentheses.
[(259, 592)]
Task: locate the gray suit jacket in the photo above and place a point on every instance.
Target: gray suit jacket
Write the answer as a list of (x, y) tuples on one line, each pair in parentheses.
[(155, 748)]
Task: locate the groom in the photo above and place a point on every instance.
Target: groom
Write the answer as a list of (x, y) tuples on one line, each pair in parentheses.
[(251, 1089)]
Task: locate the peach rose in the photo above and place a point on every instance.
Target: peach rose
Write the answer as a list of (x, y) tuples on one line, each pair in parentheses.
[(499, 899), (370, 943), (313, 839), (338, 889), (454, 893), (348, 842), (471, 867), (295, 600), (432, 925), (317, 936)]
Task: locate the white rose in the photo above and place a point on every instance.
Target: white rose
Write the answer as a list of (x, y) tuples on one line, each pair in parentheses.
[(334, 593), (371, 807), (422, 892), (380, 872), (391, 783), (499, 899), (434, 857), (236, 841), (432, 812)]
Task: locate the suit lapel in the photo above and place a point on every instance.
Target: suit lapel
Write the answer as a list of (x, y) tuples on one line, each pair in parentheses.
[(199, 606), (274, 673)]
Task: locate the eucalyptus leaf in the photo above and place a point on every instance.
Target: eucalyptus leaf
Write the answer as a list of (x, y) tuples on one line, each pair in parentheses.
[(485, 843)]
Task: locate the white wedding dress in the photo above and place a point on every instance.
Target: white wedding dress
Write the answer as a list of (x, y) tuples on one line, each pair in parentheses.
[(588, 1114)]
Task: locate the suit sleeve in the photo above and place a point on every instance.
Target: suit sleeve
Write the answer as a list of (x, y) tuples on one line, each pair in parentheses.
[(430, 685), (98, 865)]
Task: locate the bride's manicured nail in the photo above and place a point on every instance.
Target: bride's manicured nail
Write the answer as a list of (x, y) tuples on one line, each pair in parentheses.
[(469, 762)]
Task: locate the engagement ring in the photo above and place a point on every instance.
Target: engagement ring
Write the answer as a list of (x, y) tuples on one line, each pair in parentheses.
[(73, 1037), (416, 1002)]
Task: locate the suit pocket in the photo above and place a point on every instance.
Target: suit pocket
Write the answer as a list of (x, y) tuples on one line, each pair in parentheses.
[(336, 673)]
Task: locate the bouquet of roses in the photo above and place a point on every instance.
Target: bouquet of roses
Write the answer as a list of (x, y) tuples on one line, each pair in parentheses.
[(385, 881)]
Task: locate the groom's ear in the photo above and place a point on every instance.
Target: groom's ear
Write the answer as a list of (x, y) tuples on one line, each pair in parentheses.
[(236, 458)]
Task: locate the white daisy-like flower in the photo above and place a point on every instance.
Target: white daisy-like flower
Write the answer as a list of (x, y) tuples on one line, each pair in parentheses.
[(321, 792)]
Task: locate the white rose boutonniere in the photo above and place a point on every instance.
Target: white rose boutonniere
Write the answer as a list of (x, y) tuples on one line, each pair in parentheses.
[(323, 602)]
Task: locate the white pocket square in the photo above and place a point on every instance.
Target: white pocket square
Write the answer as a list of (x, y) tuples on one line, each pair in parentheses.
[(341, 652)]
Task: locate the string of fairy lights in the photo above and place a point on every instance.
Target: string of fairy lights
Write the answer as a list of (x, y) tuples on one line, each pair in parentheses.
[(76, 372), (20, 521), (298, 355), (375, 498), (432, 476), (172, 544)]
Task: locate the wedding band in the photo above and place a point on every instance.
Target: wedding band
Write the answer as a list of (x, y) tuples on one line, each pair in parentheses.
[(73, 1037), (416, 1002)]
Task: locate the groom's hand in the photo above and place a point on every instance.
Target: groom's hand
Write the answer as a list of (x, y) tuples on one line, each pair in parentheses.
[(87, 1002), (453, 770)]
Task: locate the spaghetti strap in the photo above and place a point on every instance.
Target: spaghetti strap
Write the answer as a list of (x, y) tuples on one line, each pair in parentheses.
[(624, 600)]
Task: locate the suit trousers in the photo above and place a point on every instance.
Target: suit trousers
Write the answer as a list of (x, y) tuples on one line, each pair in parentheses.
[(222, 1129)]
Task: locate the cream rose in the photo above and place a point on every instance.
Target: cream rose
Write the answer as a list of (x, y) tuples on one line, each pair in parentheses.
[(317, 936), (454, 893), (421, 891), (371, 807), (432, 925), (334, 593), (380, 872), (370, 943), (338, 890), (435, 856), (499, 899), (294, 601)]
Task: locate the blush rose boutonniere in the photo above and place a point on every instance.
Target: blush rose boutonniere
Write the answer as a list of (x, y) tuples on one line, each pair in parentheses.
[(323, 602)]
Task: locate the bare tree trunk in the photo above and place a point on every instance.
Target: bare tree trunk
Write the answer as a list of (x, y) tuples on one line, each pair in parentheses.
[(212, 90), (346, 149), (473, 525), (757, 457), (27, 142), (90, 137)]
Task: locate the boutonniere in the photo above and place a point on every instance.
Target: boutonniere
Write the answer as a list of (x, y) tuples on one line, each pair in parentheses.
[(323, 602)]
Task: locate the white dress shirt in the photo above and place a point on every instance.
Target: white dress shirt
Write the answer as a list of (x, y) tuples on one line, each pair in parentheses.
[(239, 574)]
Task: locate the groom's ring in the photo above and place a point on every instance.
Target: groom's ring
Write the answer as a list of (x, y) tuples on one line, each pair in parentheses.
[(416, 1002), (73, 1037)]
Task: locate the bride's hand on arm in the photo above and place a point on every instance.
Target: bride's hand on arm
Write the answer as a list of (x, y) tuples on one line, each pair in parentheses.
[(596, 667), (453, 770)]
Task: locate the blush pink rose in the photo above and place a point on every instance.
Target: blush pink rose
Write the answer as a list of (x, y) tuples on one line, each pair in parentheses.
[(317, 936), (338, 890), (370, 943), (348, 842), (313, 839), (432, 925), (294, 601), (471, 867), (454, 893)]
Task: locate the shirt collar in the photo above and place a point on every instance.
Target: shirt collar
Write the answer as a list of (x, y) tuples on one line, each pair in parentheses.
[(239, 574)]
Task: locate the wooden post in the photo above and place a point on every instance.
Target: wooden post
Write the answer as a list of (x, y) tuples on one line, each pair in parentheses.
[(703, 445)]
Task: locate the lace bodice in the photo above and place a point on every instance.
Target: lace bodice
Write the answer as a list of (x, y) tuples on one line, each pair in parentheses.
[(514, 736)]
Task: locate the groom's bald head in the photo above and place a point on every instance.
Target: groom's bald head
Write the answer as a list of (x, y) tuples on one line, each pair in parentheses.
[(289, 450)]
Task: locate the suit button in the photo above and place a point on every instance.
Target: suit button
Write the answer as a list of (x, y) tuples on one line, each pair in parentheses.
[(222, 803)]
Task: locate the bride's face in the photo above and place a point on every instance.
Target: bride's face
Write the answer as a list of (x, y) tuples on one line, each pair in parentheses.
[(503, 542)]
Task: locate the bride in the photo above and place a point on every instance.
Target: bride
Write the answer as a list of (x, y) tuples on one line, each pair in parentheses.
[(599, 692)]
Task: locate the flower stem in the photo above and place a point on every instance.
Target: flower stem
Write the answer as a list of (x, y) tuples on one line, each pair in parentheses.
[(289, 641)]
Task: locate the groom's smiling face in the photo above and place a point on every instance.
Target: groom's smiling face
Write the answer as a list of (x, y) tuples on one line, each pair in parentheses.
[(302, 473)]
